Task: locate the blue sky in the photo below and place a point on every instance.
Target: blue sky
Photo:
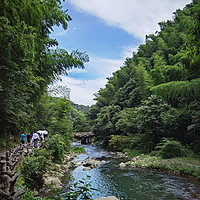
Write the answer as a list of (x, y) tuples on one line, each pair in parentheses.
[(108, 31)]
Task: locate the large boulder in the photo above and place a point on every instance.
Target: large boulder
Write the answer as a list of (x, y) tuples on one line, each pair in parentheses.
[(92, 163), (122, 165), (54, 181)]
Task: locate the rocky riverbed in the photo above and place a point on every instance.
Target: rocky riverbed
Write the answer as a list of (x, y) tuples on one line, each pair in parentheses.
[(177, 165), (54, 177)]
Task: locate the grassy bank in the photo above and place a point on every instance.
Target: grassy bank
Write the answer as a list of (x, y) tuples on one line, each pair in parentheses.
[(183, 165)]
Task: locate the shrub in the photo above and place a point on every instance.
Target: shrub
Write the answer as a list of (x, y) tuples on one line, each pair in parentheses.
[(33, 169), (78, 150), (28, 195), (171, 149), (56, 148), (131, 152)]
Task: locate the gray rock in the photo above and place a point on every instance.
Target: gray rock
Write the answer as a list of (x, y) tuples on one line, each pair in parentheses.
[(54, 181), (122, 165), (86, 168), (92, 162)]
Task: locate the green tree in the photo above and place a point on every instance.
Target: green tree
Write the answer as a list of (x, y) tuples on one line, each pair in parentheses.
[(28, 63), (149, 120), (104, 125), (194, 32), (144, 80), (44, 111), (125, 123), (60, 121), (81, 124)]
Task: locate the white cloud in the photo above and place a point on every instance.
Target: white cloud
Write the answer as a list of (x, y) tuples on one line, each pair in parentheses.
[(82, 90), (61, 33), (105, 67), (77, 71), (137, 17), (58, 31)]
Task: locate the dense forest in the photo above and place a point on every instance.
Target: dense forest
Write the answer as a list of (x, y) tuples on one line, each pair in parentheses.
[(81, 108), (150, 106), (29, 61), (155, 97)]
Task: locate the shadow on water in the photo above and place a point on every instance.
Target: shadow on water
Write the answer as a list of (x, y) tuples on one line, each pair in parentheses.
[(129, 184)]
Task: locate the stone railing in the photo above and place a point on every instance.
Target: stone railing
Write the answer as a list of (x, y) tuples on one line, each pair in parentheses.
[(8, 160)]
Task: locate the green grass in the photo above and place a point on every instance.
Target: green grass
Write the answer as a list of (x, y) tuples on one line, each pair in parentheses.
[(183, 165)]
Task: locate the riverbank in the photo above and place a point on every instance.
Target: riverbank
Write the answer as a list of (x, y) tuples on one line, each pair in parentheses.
[(132, 183), (54, 177), (178, 166), (109, 174), (183, 165)]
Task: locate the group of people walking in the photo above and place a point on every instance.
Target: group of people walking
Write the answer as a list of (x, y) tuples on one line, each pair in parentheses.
[(33, 138)]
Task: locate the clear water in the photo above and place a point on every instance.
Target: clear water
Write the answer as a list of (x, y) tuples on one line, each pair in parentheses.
[(129, 184)]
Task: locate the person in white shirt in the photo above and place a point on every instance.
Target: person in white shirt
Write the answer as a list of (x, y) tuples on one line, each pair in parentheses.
[(35, 139)]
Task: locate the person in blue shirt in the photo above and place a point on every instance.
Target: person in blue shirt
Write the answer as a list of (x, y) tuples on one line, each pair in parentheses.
[(23, 136)]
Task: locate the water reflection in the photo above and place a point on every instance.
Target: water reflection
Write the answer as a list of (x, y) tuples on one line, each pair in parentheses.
[(128, 184)]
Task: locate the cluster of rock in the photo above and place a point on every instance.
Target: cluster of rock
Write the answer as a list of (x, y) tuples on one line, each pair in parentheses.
[(54, 178), (118, 155), (91, 163), (134, 163)]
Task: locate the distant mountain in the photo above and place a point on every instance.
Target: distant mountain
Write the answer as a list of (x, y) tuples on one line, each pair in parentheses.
[(80, 108)]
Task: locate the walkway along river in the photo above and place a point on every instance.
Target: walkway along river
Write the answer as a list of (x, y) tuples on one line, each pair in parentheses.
[(128, 184)]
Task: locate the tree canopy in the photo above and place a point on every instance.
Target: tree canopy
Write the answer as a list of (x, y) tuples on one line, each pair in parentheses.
[(153, 95), (30, 60)]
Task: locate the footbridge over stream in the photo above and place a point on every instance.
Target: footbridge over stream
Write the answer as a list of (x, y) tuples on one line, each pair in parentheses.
[(85, 137)]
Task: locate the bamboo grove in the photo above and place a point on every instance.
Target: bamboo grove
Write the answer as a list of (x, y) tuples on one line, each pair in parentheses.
[(156, 93), (29, 61)]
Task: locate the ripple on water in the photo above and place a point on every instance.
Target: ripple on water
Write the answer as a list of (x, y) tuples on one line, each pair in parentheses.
[(127, 184)]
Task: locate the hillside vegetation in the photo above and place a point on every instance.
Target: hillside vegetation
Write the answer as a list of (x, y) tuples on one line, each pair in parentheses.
[(29, 61), (155, 97)]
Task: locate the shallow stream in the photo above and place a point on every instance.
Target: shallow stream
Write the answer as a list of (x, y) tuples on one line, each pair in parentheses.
[(132, 184)]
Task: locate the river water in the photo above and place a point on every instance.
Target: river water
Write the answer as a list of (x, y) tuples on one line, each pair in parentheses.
[(130, 184)]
